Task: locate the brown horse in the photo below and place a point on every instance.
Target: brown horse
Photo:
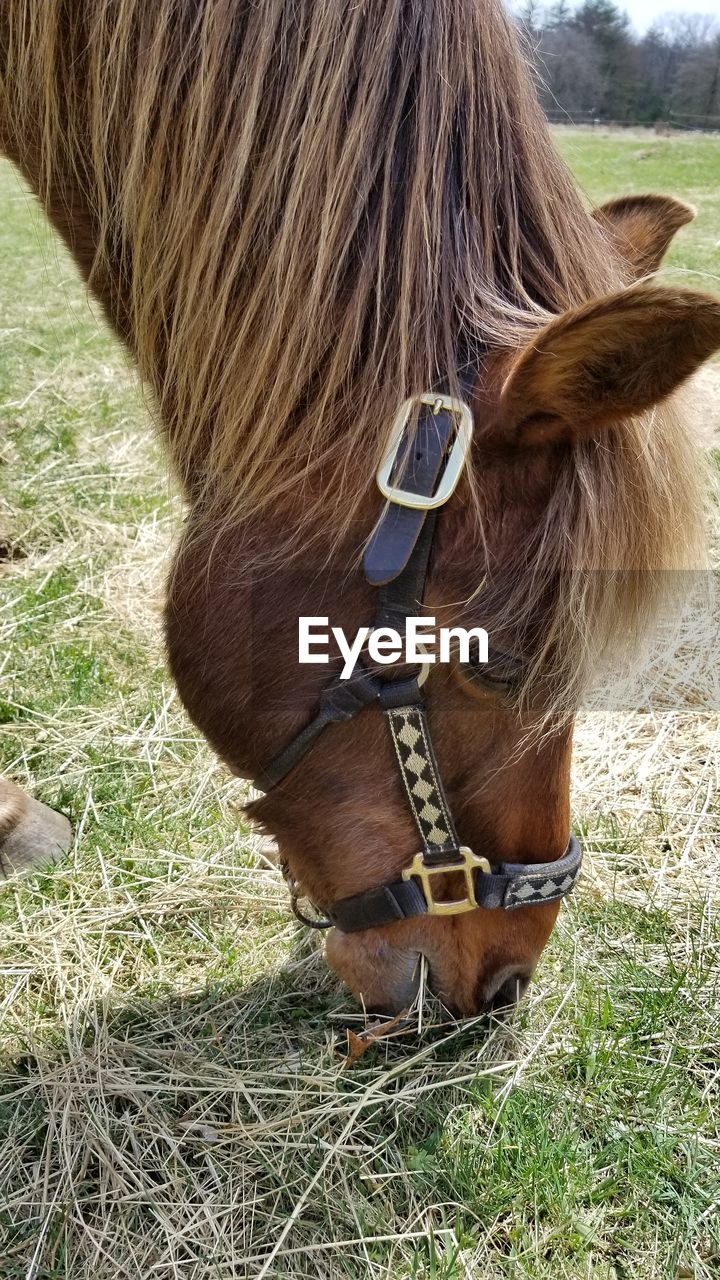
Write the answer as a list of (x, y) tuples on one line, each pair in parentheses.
[(296, 214)]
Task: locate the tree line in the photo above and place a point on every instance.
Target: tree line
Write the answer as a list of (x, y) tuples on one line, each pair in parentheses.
[(592, 65)]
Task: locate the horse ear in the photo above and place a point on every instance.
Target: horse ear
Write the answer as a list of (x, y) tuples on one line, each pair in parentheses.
[(642, 227), (606, 361)]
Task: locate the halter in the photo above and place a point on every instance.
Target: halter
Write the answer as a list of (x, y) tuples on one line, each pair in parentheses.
[(418, 474)]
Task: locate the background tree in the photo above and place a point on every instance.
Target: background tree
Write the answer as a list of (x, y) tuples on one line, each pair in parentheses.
[(591, 64)]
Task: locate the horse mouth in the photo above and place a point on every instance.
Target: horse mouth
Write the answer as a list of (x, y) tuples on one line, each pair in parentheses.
[(498, 996)]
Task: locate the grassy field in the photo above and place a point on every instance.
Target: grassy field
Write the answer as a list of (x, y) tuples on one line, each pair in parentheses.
[(173, 1099), (608, 164)]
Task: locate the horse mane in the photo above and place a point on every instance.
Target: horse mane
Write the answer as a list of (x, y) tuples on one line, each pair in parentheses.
[(306, 202)]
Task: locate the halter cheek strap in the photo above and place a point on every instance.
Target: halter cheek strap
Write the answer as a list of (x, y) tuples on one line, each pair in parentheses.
[(417, 475)]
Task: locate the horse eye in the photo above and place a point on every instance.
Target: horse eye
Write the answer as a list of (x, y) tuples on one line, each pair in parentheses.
[(478, 675), (500, 674)]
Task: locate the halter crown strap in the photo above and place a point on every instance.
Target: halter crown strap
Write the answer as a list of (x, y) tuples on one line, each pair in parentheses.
[(414, 471)]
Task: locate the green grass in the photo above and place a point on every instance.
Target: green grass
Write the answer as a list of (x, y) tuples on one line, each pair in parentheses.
[(684, 165), (172, 1096)]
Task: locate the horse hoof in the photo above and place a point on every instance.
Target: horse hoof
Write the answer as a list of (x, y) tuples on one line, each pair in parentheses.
[(31, 834)]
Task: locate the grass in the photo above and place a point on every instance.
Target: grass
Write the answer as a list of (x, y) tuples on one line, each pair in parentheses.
[(686, 165), (173, 1101)]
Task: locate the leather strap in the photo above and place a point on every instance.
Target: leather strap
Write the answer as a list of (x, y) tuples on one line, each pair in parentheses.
[(408, 547), (396, 533), (341, 700)]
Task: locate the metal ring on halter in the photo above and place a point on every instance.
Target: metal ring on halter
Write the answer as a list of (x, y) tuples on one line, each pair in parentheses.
[(297, 896)]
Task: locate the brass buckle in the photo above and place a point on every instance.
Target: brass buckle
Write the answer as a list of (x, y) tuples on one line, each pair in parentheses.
[(469, 864), (453, 466)]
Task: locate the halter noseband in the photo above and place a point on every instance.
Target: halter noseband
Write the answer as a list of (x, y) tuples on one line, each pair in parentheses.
[(417, 475)]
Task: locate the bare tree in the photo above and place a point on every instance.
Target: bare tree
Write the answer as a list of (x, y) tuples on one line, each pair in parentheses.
[(589, 61)]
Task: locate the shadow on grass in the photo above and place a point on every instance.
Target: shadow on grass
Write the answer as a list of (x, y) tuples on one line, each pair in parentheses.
[(133, 1111), (296, 1018)]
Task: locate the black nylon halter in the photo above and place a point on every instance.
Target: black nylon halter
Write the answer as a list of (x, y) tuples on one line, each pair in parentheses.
[(396, 563)]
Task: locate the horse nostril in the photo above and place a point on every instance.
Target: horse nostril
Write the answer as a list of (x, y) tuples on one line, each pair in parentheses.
[(506, 989)]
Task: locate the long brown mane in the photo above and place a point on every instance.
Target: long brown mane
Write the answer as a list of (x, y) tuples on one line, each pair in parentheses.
[(305, 202)]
